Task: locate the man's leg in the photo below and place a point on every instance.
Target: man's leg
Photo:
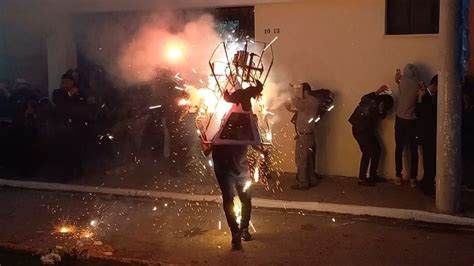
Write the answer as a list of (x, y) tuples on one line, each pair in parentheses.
[(303, 155), (362, 139), (399, 145), (375, 155), (413, 144), (429, 166)]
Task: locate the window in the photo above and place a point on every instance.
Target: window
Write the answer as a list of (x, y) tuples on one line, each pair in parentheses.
[(239, 20), (412, 17)]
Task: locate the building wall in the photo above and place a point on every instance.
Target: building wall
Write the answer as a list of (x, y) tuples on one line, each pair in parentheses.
[(339, 45)]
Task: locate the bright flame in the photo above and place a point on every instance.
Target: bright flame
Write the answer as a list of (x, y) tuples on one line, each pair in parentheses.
[(269, 136), (183, 102), (238, 209), (256, 175), (247, 185), (174, 54)]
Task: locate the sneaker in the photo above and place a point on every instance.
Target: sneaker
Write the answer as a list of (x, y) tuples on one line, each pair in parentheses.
[(398, 181), (413, 183), (246, 236), (378, 179), (365, 182), (236, 241)]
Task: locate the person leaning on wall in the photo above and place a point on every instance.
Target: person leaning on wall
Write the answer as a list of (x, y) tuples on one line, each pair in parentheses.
[(365, 119)]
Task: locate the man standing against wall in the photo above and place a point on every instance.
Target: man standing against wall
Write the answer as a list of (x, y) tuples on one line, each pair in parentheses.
[(426, 113), (405, 122), (305, 119)]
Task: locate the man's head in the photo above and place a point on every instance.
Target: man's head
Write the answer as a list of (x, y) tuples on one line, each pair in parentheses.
[(433, 87), (410, 71), (67, 81), (306, 90)]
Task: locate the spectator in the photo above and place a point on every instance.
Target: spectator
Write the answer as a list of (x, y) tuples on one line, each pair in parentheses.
[(405, 122), (4, 100), (426, 112), (308, 111), (468, 135), (372, 107), (71, 114)]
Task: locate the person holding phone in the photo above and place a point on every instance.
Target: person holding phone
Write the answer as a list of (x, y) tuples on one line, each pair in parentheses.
[(405, 122)]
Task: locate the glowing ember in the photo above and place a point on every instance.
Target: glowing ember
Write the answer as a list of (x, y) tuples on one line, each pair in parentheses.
[(93, 223), (65, 229), (210, 163), (317, 119), (220, 225), (154, 107), (183, 102), (86, 234), (330, 108)]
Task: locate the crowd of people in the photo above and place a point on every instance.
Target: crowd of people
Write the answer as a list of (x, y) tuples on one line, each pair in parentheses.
[(80, 127), (415, 126)]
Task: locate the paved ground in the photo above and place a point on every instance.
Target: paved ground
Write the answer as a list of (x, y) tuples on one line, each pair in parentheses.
[(188, 233), (342, 190)]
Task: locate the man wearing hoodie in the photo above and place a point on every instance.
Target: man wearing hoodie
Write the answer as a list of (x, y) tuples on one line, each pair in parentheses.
[(405, 122)]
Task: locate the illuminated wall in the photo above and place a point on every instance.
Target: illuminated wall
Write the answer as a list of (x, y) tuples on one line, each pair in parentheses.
[(340, 45)]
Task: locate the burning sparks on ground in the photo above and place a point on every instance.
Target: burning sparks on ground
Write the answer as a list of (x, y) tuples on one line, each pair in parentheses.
[(65, 229)]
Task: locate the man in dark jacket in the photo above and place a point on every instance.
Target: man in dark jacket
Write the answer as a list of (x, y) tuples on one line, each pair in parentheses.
[(71, 114), (426, 112), (364, 120), (231, 168)]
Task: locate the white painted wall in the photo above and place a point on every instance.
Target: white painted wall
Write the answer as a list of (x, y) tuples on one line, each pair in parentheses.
[(340, 45)]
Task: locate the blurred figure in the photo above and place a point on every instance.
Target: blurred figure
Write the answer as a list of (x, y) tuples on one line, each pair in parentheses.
[(426, 112), (5, 124), (468, 135), (372, 108), (4, 100), (71, 114), (405, 122), (308, 111), (23, 101)]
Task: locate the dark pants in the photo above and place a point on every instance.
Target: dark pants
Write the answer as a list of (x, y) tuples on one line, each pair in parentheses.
[(429, 161), (405, 138), (232, 172), (370, 148)]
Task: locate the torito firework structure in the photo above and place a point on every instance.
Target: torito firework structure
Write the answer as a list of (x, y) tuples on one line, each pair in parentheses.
[(240, 70)]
